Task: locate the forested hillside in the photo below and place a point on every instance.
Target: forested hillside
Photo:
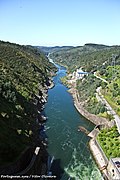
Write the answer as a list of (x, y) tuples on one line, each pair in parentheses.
[(25, 74), (47, 50), (90, 56), (102, 60)]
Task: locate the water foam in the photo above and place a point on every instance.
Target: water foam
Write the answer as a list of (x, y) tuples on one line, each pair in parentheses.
[(80, 168)]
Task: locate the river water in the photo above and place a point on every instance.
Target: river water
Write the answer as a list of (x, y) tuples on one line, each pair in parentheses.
[(69, 147)]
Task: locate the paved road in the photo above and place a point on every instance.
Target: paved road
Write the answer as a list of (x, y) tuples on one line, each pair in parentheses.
[(101, 98), (100, 78)]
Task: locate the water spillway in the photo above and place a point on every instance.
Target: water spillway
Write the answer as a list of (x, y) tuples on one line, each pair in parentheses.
[(69, 147)]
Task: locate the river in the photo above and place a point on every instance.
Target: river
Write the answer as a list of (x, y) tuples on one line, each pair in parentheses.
[(69, 147)]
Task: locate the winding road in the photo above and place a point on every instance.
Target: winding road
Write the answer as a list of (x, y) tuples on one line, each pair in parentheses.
[(100, 78), (101, 99)]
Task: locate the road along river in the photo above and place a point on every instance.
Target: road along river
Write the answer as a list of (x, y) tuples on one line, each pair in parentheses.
[(69, 147)]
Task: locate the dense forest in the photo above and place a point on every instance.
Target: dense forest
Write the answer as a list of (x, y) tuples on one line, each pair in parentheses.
[(25, 74), (90, 56), (93, 58), (48, 49)]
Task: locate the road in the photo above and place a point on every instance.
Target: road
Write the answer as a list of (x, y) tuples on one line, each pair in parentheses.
[(100, 78), (101, 98)]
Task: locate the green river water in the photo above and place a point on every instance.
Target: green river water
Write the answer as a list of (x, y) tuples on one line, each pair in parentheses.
[(72, 158)]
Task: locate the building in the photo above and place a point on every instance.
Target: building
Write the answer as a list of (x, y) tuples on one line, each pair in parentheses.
[(79, 74), (114, 168)]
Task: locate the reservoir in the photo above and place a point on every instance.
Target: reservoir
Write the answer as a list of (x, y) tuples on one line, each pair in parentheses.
[(69, 147)]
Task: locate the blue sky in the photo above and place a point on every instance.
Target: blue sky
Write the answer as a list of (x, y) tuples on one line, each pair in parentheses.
[(60, 22)]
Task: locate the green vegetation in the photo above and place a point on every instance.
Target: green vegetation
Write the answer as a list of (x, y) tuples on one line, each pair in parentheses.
[(109, 140), (47, 49), (87, 89), (24, 73), (64, 80), (106, 115), (112, 90), (105, 61), (91, 57)]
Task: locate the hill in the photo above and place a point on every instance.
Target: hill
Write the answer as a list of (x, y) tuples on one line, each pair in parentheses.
[(89, 56), (94, 58), (47, 50), (25, 74)]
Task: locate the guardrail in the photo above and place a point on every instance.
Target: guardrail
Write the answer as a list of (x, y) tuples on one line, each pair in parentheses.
[(102, 152)]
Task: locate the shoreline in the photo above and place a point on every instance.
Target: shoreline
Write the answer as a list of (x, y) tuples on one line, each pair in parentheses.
[(95, 149), (32, 154), (90, 117), (99, 158)]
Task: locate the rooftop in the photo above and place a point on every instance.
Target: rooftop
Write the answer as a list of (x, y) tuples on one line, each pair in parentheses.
[(82, 72), (116, 162)]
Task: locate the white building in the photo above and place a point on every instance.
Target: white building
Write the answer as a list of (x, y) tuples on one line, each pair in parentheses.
[(79, 74)]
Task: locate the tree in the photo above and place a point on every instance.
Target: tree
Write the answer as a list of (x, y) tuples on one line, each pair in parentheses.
[(115, 86)]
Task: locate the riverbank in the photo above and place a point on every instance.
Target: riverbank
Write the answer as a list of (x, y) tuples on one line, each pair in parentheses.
[(99, 157), (34, 158), (96, 150), (64, 139), (91, 117)]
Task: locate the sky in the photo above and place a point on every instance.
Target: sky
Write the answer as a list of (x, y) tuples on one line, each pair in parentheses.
[(60, 22)]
